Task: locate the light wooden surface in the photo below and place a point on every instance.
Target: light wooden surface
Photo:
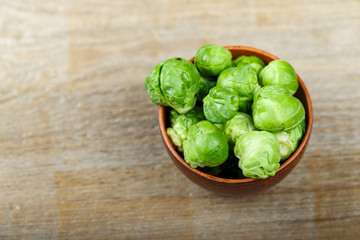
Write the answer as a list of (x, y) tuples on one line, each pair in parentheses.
[(80, 150)]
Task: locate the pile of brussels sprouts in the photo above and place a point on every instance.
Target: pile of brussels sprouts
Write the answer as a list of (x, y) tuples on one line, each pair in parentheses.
[(231, 118)]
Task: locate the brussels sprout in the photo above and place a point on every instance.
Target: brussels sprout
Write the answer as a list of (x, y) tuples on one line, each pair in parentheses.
[(220, 126), (258, 153), (175, 139), (279, 72), (205, 146), (220, 105), (205, 85), (174, 83), (243, 80), (229, 169), (275, 109), (255, 62), (215, 171), (240, 124), (289, 140), (212, 59), (180, 124)]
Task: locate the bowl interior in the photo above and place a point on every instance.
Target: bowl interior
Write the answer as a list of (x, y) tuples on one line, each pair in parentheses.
[(302, 94)]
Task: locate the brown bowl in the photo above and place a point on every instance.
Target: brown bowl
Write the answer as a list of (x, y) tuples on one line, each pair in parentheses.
[(248, 185)]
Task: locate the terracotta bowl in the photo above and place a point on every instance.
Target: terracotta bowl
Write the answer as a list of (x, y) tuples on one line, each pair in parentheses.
[(227, 186)]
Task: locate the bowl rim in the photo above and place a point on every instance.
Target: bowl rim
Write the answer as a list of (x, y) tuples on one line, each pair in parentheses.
[(283, 166)]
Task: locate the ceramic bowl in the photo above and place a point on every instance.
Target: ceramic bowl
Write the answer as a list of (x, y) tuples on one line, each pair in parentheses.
[(227, 186)]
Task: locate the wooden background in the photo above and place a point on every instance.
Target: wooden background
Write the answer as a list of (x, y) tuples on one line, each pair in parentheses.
[(81, 155)]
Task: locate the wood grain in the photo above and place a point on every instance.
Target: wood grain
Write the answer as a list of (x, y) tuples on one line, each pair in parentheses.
[(81, 154)]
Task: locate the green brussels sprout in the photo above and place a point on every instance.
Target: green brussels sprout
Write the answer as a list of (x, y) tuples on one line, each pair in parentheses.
[(220, 126), (229, 169), (258, 153), (214, 171), (243, 80), (220, 105), (205, 146), (212, 59), (205, 85), (254, 61), (289, 140), (174, 83), (275, 109), (240, 124), (180, 124), (279, 72)]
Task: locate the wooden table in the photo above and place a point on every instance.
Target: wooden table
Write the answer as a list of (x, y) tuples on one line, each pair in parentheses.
[(81, 154)]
